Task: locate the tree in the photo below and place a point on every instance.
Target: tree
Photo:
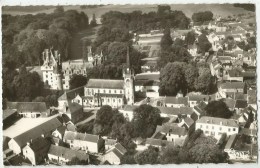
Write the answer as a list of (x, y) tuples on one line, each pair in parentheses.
[(203, 43), (103, 120), (218, 109), (148, 156), (190, 38), (93, 21), (172, 79), (128, 158), (205, 82), (170, 155), (202, 16), (166, 40), (145, 120), (206, 150), (191, 76), (59, 9), (77, 81)]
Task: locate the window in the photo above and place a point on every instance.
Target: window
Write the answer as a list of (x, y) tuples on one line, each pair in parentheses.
[(234, 129), (213, 127), (220, 128), (201, 126), (108, 100), (104, 91), (102, 100), (114, 91), (109, 91), (120, 91), (229, 130), (114, 100), (119, 100)]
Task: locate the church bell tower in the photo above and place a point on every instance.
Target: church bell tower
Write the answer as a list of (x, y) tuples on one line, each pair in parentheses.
[(128, 75)]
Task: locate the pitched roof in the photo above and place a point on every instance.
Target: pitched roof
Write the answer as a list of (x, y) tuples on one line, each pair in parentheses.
[(28, 106), (39, 143), (235, 73), (230, 103), (241, 104), (120, 148), (169, 110), (8, 112), (105, 83), (110, 141), (69, 135), (176, 100), (148, 76), (186, 110), (71, 94), (74, 107), (232, 85), (171, 129), (217, 121), (252, 98), (37, 131), (195, 97), (5, 142), (188, 121), (67, 153)]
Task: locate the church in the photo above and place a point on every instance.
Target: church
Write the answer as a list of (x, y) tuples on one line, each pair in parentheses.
[(99, 92), (115, 93)]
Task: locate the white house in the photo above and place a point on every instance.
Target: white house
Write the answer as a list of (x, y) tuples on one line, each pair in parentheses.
[(213, 126)]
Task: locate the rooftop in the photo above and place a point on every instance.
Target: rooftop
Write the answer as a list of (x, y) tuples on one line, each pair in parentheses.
[(67, 153), (232, 85), (105, 83), (27, 106), (217, 121)]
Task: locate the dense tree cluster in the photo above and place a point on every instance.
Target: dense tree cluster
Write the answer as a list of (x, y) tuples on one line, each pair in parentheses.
[(77, 81), (201, 17), (25, 36), (173, 51), (249, 7), (182, 77), (218, 109), (203, 44)]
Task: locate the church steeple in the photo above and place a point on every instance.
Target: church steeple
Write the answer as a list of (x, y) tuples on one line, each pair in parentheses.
[(128, 80)]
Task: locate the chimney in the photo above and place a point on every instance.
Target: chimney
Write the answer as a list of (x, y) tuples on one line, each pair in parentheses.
[(31, 140), (42, 135), (221, 123), (28, 144)]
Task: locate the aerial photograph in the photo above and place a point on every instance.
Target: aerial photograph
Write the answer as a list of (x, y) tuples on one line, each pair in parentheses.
[(129, 84)]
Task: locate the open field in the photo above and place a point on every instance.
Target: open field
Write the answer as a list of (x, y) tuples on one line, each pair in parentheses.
[(188, 9)]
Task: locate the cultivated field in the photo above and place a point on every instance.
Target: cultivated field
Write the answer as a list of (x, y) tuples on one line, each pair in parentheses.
[(188, 9)]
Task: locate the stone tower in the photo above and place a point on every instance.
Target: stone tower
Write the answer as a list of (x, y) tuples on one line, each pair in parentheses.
[(52, 69), (128, 74)]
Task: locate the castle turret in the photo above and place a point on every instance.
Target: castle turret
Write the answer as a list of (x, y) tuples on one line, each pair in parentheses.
[(128, 75)]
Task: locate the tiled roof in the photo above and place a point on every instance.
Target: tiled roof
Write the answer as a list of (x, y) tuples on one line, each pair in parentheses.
[(230, 103), (27, 106), (74, 107), (235, 73), (241, 104), (198, 97), (188, 121), (172, 129), (69, 135), (169, 110), (186, 110), (44, 128), (217, 121), (176, 100), (110, 141), (232, 85), (8, 112), (252, 98), (67, 153), (120, 148), (130, 107), (39, 143), (148, 76), (105, 83), (71, 94)]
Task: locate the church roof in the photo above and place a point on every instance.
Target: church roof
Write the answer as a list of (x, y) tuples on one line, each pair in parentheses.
[(105, 84)]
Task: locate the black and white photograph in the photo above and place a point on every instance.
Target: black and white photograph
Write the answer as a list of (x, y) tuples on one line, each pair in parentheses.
[(120, 84)]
